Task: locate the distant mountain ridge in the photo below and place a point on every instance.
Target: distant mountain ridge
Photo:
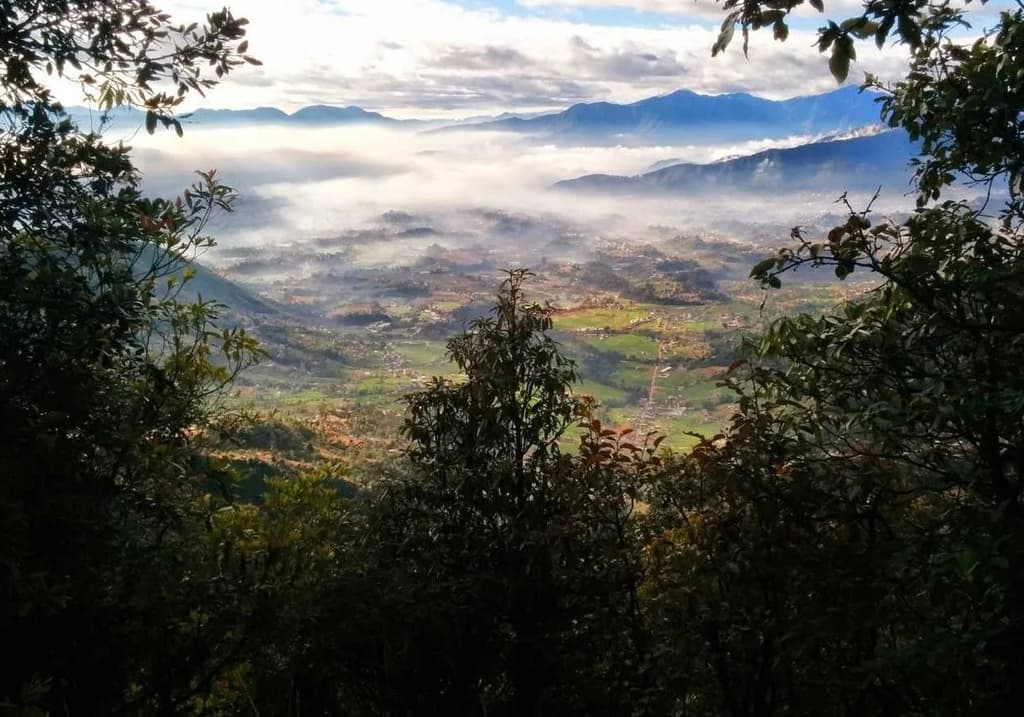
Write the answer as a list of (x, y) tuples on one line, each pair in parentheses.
[(858, 162), (312, 115), (680, 115), (687, 115), (866, 131)]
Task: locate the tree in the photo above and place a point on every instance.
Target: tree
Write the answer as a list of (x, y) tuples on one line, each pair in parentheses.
[(852, 541), (501, 568), (487, 450), (106, 378)]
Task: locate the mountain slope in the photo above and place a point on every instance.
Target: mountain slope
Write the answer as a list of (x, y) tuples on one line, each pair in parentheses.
[(208, 285), (870, 161), (326, 114), (259, 115), (205, 284)]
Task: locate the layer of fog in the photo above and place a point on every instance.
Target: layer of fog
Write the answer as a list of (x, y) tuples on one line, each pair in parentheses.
[(331, 202)]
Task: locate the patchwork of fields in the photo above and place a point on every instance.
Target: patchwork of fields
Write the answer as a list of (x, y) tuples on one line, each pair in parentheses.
[(650, 366)]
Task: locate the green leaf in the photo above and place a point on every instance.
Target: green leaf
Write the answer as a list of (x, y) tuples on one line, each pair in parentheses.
[(883, 32), (725, 34), (762, 266), (865, 28), (842, 54)]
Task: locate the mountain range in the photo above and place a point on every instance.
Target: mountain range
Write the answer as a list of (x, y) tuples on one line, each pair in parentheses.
[(679, 116), (689, 116), (314, 115), (858, 162), (682, 116)]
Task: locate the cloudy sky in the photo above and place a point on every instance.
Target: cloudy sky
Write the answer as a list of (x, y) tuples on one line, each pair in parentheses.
[(446, 58)]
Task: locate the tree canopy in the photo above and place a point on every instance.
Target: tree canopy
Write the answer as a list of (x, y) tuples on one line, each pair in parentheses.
[(107, 378), (873, 462)]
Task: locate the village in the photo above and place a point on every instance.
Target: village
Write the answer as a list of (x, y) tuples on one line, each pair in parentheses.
[(651, 329)]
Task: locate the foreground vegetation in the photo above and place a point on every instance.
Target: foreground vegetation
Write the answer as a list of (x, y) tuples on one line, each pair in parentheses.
[(849, 543)]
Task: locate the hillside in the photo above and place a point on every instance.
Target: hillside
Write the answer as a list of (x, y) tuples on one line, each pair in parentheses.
[(869, 161), (207, 285)]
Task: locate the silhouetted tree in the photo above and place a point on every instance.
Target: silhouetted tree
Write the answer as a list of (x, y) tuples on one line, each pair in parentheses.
[(106, 378)]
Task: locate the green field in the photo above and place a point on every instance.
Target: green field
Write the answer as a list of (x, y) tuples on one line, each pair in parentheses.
[(627, 345), (364, 372), (423, 354), (605, 395)]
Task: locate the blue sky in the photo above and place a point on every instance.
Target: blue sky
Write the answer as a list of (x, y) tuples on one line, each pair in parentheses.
[(623, 13), (616, 16)]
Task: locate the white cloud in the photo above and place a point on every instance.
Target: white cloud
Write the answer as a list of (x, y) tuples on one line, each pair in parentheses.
[(686, 8), (435, 58), (713, 8)]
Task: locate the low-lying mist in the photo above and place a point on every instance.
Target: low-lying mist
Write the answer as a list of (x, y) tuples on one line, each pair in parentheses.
[(324, 204)]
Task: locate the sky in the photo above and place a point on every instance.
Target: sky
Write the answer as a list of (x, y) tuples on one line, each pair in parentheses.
[(457, 58)]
